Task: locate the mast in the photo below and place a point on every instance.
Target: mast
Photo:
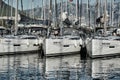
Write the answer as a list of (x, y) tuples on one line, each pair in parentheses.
[(49, 16), (42, 9), (61, 29), (50, 10), (80, 13), (89, 12), (66, 5), (16, 17), (112, 15), (22, 5), (98, 8), (8, 10), (55, 13), (44, 18), (86, 16), (105, 16), (61, 26), (32, 5), (118, 15), (11, 8), (77, 9)]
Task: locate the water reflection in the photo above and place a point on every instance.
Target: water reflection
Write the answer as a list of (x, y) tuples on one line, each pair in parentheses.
[(69, 67), (106, 69)]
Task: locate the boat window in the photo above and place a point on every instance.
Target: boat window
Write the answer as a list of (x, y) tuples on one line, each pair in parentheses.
[(72, 32), (22, 30), (38, 31)]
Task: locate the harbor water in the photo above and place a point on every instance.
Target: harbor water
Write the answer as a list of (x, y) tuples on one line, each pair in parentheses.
[(70, 67)]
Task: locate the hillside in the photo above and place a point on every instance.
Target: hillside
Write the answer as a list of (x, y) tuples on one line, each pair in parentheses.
[(71, 10), (5, 10)]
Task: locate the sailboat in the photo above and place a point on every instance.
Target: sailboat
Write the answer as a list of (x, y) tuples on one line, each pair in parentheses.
[(63, 40), (11, 44), (68, 43), (104, 45)]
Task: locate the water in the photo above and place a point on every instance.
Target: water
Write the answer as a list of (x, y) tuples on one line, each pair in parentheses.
[(108, 69), (69, 67), (22, 67)]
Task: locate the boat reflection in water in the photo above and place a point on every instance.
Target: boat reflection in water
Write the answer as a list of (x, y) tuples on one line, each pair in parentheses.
[(31, 66)]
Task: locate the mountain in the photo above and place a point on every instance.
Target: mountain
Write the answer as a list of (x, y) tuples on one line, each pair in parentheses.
[(5, 9), (37, 13), (71, 10)]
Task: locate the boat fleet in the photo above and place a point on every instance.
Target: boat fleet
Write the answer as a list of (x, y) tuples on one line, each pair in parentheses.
[(34, 37), (57, 42), (31, 37), (67, 38), (63, 40)]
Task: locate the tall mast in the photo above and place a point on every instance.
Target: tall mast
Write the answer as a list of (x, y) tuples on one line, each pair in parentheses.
[(8, 10), (77, 8), (98, 8), (22, 5), (119, 16), (66, 5), (61, 17), (32, 5), (86, 17), (50, 9), (89, 11), (55, 13), (80, 13), (110, 12), (16, 17), (11, 8), (101, 6), (112, 7), (118, 21), (105, 16), (42, 10)]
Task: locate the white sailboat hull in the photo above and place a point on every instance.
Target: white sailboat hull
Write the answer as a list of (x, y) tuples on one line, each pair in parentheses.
[(9, 46), (62, 46), (99, 48)]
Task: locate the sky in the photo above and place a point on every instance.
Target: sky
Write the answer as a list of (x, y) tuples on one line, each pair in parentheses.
[(29, 4)]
